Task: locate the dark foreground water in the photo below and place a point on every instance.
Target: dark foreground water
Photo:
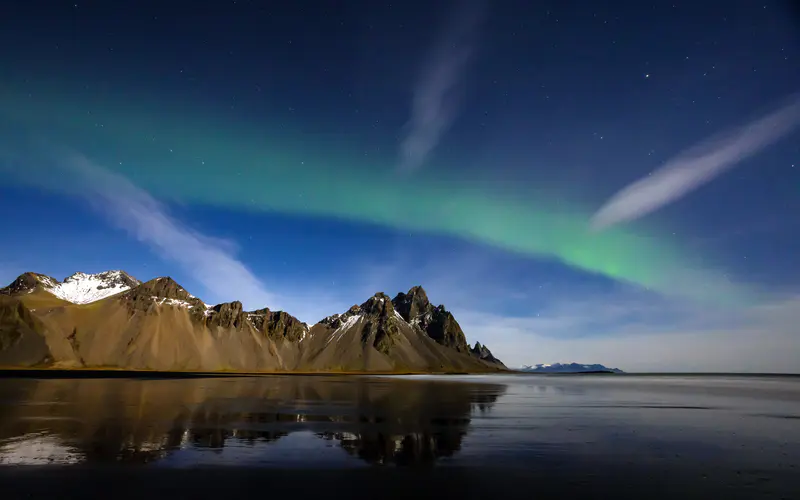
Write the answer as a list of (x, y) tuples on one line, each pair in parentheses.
[(401, 437)]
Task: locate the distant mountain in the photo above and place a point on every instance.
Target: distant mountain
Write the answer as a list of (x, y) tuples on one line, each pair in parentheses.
[(113, 320), (568, 368)]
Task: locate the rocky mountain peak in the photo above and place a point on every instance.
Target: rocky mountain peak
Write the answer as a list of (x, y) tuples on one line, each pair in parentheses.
[(483, 352), (165, 288), (379, 305), (380, 326), (412, 304), (28, 282), (106, 279), (437, 322), (160, 290), (418, 292), (83, 288)]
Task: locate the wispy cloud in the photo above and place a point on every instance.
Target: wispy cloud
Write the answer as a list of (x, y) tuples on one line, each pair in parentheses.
[(210, 261), (436, 94), (758, 339), (696, 167)]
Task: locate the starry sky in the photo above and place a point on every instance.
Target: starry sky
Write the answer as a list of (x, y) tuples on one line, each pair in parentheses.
[(618, 185)]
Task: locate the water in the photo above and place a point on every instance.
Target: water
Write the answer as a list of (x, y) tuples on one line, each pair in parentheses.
[(466, 436)]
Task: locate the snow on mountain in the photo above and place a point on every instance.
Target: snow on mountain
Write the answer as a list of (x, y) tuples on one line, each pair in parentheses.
[(568, 368), (339, 332), (82, 288)]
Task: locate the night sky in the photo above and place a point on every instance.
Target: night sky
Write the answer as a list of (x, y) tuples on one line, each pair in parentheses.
[(613, 183)]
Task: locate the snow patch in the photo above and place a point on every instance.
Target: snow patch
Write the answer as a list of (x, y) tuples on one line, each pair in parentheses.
[(172, 302), (339, 332), (82, 288), (47, 281), (398, 315)]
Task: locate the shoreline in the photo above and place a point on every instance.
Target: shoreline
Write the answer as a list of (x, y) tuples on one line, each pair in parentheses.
[(111, 372)]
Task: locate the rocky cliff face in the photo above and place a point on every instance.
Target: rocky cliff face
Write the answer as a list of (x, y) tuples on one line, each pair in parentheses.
[(278, 325), (159, 325), (228, 315), (437, 322), (381, 327)]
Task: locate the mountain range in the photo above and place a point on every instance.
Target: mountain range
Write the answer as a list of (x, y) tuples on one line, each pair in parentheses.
[(568, 368), (112, 320)]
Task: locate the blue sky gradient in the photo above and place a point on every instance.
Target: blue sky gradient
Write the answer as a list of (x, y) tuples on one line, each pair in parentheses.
[(270, 140)]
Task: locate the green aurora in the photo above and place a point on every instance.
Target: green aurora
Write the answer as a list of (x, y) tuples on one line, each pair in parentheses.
[(184, 153)]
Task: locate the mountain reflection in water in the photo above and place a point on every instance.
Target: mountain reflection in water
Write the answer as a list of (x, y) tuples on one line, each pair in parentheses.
[(181, 421)]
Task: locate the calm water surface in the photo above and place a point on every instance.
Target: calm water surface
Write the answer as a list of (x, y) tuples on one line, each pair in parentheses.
[(738, 435)]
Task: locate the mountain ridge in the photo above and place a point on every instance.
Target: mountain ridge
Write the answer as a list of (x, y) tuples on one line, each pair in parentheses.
[(77, 288), (111, 319), (568, 368)]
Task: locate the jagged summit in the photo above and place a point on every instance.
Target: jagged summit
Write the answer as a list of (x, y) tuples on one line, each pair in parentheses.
[(483, 352), (437, 322), (379, 305), (380, 317), (412, 304)]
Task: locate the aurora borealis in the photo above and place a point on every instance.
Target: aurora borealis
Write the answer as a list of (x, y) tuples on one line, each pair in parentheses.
[(301, 116), (190, 161)]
